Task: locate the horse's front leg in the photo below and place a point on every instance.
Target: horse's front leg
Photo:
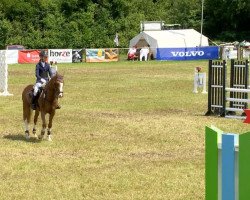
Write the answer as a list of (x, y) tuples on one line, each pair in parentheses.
[(51, 116), (35, 122), (43, 125)]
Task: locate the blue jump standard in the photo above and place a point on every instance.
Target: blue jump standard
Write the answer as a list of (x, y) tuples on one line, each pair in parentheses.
[(228, 167)]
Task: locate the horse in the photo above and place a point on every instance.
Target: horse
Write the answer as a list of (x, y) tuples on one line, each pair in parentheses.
[(47, 103)]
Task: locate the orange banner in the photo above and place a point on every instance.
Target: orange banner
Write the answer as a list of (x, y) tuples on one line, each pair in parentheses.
[(28, 56)]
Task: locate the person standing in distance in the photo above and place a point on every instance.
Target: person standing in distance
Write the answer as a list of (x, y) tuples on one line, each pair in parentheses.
[(144, 53)]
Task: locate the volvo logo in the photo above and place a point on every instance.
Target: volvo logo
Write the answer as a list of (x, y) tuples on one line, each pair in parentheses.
[(187, 53)]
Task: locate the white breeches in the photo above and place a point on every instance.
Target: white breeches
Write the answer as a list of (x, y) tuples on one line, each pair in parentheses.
[(143, 55), (36, 88)]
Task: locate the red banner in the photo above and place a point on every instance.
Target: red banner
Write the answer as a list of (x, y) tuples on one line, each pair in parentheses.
[(28, 56), (247, 112)]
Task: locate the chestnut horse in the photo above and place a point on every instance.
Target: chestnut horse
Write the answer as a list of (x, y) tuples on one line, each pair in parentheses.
[(47, 103)]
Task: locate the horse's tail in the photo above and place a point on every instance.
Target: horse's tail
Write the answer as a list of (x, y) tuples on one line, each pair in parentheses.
[(27, 111)]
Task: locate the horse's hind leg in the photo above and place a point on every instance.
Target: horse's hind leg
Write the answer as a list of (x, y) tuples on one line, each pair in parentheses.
[(26, 119), (35, 122)]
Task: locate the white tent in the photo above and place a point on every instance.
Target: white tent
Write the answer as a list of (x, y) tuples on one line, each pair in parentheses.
[(181, 38)]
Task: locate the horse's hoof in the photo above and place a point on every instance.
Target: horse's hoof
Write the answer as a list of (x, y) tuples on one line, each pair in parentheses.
[(35, 136), (40, 137), (27, 136), (49, 138)]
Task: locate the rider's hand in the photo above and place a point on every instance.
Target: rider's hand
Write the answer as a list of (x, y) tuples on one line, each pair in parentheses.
[(43, 80)]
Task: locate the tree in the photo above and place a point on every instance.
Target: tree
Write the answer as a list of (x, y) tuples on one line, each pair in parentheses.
[(227, 20), (93, 23)]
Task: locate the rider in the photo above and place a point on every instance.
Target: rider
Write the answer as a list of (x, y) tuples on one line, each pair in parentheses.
[(43, 74)]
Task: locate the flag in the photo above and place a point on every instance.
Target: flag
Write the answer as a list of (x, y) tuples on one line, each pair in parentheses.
[(116, 40)]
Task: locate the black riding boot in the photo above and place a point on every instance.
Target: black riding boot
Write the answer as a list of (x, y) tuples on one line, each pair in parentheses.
[(33, 102)]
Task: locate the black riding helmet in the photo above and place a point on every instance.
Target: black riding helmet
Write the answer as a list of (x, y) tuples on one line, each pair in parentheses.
[(43, 54)]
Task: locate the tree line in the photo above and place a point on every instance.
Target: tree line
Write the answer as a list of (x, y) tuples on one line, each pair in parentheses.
[(94, 23)]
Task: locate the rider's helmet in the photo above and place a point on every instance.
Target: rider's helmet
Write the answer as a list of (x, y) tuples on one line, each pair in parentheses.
[(43, 54)]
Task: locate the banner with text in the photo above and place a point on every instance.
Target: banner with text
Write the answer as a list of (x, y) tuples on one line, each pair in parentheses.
[(192, 53), (60, 55), (28, 56), (101, 55)]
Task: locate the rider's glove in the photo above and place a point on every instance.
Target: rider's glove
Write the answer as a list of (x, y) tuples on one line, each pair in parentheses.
[(43, 80)]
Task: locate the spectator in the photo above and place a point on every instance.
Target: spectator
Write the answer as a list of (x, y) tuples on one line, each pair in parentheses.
[(144, 53), (132, 53)]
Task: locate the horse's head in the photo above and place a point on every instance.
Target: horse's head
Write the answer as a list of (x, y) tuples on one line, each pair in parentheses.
[(58, 84)]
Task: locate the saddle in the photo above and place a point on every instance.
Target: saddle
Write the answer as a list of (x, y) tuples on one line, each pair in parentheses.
[(35, 100)]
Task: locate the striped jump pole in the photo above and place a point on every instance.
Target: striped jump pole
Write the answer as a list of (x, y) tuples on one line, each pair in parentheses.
[(216, 87), (218, 103), (239, 78), (227, 170), (237, 103)]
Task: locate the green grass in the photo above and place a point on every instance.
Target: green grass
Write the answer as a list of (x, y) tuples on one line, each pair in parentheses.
[(126, 130)]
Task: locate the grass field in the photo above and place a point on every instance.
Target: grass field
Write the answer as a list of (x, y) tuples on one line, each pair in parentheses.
[(127, 130)]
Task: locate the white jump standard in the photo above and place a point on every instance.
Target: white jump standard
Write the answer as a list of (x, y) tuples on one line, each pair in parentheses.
[(3, 74)]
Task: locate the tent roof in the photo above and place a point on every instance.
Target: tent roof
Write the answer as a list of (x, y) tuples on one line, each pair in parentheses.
[(170, 38)]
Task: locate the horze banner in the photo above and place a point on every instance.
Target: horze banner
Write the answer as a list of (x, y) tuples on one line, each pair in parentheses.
[(28, 56), (101, 55), (60, 55), (193, 53)]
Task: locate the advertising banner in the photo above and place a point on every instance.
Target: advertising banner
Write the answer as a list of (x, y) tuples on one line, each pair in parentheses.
[(193, 53), (11, 56), (101, 55), (77, 55), (60, 55), (28, 56)]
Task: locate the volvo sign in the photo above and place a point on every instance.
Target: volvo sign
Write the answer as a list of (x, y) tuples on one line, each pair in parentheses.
[(187, 53), (194, 53)]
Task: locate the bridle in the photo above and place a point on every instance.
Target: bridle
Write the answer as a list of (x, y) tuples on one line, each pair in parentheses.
[(58, 93)]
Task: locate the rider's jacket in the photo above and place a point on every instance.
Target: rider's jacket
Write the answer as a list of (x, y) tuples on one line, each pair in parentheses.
[(43, 72)]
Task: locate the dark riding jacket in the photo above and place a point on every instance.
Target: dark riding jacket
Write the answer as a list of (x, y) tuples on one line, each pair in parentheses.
[(43, 72)]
